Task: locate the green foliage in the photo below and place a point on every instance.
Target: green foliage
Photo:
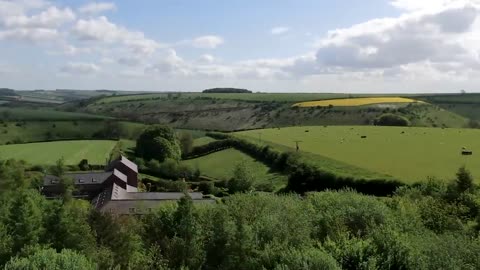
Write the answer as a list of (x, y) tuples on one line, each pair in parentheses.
[(186, 142), (419, 227), (242, 179), (158, 142), (50, 259), (389, 119)]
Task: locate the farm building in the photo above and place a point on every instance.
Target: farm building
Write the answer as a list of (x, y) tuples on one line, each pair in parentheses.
[(115, 190)]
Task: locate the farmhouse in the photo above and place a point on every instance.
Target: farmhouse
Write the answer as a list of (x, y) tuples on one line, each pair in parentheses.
[(115, 190)]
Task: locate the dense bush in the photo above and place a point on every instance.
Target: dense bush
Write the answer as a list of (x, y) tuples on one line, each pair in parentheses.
[(389, 119), (158, 142)]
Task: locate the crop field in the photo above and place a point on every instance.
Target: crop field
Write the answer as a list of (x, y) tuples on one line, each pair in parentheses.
[(407, 154), (351, 102), (220, 165), (47, 153)]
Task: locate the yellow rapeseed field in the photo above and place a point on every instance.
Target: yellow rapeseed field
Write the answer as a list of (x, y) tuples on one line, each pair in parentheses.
[(347, 102)]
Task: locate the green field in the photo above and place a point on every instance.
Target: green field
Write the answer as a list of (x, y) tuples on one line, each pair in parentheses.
[(47, 153), (220, 165), (34, 131), (413, 156), (41, 114), (202, 141)]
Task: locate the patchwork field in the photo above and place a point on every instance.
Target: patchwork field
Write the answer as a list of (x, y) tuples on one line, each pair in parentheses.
[(408, 154), (350, 102), (220, 165), (47, 153)]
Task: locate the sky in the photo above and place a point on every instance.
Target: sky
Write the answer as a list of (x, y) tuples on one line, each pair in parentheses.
[(349, 46)]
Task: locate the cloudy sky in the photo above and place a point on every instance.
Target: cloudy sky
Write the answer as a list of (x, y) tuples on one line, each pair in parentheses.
[(263, 45)]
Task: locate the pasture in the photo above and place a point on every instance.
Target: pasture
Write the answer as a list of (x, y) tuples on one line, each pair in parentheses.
[(43, 114), (407, 154), (47, 153), (202, 141), (220, 165), (352, 102), (34, 131)]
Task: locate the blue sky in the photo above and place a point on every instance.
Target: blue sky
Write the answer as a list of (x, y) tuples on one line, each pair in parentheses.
[(276, 46)]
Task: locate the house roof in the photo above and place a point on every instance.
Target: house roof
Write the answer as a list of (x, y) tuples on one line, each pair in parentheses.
[(129, 164), (120, 175), (119, 193), (125, 161), (83, 178)]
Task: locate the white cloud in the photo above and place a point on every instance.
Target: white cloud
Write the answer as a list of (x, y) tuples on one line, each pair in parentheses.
[(97, 7), (130, 60), (208, 42), (19, 7), (279, 30), (79, 68), (206, 59), (434, 37), (50, 18), (101, 29), (35, 35)]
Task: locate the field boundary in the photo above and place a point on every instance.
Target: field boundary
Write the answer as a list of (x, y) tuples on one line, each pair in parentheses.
[(304, 177)]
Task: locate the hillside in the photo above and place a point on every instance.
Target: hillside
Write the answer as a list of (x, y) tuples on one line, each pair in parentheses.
[(230, 112)]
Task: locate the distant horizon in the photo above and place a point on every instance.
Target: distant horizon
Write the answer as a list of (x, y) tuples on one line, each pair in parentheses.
[(253, 91)]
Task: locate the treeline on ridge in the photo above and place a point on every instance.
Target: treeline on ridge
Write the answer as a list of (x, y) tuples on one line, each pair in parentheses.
[(226, 90)]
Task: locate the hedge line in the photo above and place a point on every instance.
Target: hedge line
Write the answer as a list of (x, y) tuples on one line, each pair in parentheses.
[(206, 149), (304, 177)]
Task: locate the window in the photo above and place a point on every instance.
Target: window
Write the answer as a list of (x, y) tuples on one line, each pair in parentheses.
[(53, 181), (81, 180), (94, 180)]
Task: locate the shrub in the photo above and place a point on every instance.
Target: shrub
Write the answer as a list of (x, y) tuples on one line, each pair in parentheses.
[(389, 119)]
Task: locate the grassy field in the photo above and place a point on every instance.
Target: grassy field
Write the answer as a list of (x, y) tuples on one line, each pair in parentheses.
[(47, 153), (34, 131), (220, 165), (349, 102), (202, 140), (41, 114), (407, 154)]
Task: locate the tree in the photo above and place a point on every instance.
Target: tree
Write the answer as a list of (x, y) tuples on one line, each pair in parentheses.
[(66, 183), (25, 222), (390, 119), (158, 142), (186, 142), (242, 179), (464, 180), (50, 259), (186, 246)]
